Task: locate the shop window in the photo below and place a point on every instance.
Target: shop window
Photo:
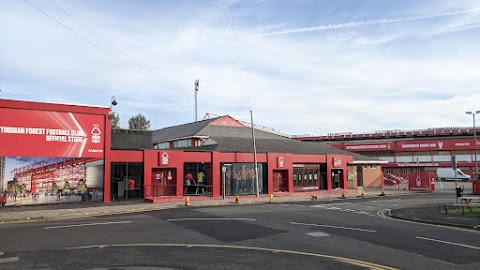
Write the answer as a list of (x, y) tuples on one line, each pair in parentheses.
[(202, 176), (240, 178), (121, 174), (306, 177)]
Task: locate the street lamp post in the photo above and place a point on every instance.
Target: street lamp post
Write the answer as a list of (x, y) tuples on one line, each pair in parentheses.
[(474, 138)]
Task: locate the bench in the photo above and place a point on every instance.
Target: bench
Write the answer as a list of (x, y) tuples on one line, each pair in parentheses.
[(463, 206), (466, 202)]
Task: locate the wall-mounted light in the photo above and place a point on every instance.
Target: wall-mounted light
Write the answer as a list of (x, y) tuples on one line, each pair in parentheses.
[(114, 102)]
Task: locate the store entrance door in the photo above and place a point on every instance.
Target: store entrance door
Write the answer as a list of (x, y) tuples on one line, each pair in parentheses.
[(337, 179), (163, 182), (280, 180), (359, 176)]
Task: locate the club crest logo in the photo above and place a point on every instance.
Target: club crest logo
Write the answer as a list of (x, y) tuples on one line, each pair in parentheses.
[(96, 134)]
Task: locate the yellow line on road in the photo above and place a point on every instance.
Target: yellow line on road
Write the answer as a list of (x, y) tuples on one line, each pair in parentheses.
[(369, 265), (385, 214)]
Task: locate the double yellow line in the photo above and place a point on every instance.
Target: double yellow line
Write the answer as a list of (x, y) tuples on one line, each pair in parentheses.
[(368, 265)]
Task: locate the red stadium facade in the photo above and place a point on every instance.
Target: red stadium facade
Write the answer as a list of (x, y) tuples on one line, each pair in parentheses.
[(410, 151)]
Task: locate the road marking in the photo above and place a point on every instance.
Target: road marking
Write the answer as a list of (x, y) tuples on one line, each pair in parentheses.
[(334, 227), (369, 265), (87, 224), (343, 210), (208, 219), (319, 205), (385, 213), (449, 243), (9, 260), (317, 234)]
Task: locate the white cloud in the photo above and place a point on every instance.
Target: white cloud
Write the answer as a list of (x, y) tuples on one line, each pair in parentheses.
[(359, 76)]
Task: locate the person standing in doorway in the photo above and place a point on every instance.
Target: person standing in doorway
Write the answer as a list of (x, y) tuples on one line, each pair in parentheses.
[(189, 181), (201, 181)]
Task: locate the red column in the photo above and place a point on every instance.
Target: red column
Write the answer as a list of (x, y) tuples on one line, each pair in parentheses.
[(107, 160), (329, 177), (216, 174), (147, 176)]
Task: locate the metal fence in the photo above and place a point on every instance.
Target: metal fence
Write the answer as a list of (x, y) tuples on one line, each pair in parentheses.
[(162, 191)]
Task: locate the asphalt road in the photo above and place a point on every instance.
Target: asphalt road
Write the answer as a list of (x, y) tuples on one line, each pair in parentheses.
[(351, 234)]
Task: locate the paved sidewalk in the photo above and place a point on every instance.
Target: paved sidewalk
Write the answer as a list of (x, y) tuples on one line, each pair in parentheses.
[(28, 213), (432, 215)]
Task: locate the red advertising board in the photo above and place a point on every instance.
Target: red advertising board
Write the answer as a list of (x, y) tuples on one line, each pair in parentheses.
[(51, 134), (423, 145), (369, 147), (464, 144), (421, 181)]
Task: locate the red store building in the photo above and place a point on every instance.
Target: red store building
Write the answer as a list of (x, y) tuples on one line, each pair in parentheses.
[(56, 153)]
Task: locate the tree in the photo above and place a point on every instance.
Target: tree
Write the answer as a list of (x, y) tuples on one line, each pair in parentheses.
[(115, 120), (139, 122)]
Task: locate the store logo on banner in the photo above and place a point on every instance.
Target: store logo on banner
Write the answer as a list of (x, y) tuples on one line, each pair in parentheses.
[(280, 162), (96, 134), (337, 162), (440, 145), (164, 159), (418, 181)]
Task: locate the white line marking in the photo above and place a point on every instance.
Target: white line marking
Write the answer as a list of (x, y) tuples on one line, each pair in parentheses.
[(87, 224), (8, 260), (208, 219), (449, 243), (317, 234), (335, 227)]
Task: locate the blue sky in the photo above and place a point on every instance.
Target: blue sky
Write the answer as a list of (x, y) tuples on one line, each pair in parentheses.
[(303, 67)]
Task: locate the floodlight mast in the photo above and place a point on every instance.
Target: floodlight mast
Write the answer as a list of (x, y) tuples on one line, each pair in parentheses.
[(196, 87)]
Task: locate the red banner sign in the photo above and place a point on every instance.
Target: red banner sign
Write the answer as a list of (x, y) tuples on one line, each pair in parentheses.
[(421, 181), (32, 133), (427, 145), (464, 144), (369, 147)]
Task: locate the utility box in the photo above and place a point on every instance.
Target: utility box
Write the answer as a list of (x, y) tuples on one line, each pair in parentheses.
[(476, 184)]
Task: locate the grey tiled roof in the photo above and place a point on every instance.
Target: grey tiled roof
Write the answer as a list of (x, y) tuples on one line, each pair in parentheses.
[(180, 131), (237, 132), (245, 145)]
